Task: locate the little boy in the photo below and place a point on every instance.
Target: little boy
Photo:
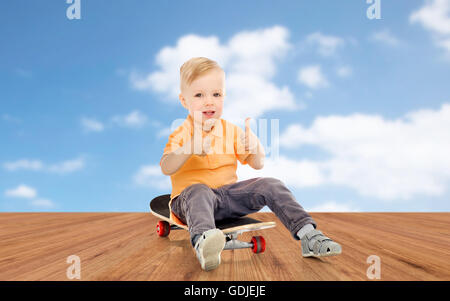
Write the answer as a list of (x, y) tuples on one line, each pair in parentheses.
[(201, 158)]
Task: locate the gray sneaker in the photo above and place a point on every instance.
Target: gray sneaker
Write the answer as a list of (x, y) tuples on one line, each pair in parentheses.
[(323, 246), (208, 247)]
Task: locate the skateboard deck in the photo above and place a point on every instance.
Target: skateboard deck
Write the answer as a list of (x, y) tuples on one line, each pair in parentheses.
[(159, 207)]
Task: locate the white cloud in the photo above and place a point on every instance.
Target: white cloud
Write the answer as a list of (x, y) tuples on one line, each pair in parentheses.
[(327, 45), (24, 164), (332, 206), (21, 191), (11, 119), (37, 165), (259, 94), (169, 60), (387, 159), (42, 203), (312, 77), (92, 125), (344, 71), (435, 17), (385, 37), (249, 60), (152, 176), (135, 119), (67, 166), (27, 192), (295, 173), (164, 132), (445, 43)]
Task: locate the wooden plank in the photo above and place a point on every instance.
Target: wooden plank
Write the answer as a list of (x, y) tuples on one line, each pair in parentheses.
[(124, 246)]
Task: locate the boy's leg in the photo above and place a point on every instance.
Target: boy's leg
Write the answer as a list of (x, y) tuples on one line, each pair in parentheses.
[(252, 195), (198, 205)]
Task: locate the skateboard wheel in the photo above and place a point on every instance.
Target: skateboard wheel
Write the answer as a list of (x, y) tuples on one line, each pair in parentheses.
[(259, 244), (163, 228)]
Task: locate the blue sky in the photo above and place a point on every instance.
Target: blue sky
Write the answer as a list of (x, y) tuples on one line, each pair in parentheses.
[(363, 104)]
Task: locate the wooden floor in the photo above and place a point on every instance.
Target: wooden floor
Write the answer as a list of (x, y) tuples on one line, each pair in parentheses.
[(124, 246)]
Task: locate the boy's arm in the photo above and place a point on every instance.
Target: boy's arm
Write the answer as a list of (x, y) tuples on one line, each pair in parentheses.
[(252, 146), (256, 161), (172, 161)]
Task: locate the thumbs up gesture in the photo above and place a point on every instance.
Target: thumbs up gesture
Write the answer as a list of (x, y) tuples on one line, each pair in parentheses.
[(249, 139), (206, 149), (208, 124)]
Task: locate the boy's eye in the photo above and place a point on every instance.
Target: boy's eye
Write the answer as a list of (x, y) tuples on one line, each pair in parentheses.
[(215, 95)]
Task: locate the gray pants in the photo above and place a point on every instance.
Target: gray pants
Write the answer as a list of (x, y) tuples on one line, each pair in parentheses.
[(199, 206)]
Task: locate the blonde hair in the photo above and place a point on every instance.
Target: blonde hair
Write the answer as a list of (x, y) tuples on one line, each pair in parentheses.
[(195, 67)]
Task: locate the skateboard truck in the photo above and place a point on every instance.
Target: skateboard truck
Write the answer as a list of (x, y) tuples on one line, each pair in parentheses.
[(257, 244)]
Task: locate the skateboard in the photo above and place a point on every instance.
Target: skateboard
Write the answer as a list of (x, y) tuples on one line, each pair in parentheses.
[(231, 228)]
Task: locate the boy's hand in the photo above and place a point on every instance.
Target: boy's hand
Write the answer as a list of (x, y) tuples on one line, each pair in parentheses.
[(208, 124), (201, 146), (206, 137), (249, 139), (206, 149)]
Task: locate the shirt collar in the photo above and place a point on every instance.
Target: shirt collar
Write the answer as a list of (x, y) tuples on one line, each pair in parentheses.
[(215, 130)]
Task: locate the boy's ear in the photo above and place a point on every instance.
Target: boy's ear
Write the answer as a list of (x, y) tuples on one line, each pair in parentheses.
[(182, 100)]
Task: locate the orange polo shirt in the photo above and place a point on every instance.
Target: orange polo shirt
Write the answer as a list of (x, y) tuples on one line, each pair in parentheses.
[(215, 169)]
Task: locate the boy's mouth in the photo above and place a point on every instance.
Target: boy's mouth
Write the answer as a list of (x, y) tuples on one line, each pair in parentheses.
[(209, 113)]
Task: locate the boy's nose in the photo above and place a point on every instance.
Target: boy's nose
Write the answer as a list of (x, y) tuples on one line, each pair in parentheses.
[(209, 100)]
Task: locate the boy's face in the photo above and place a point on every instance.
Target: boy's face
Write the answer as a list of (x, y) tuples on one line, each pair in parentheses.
[(205, 95)]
